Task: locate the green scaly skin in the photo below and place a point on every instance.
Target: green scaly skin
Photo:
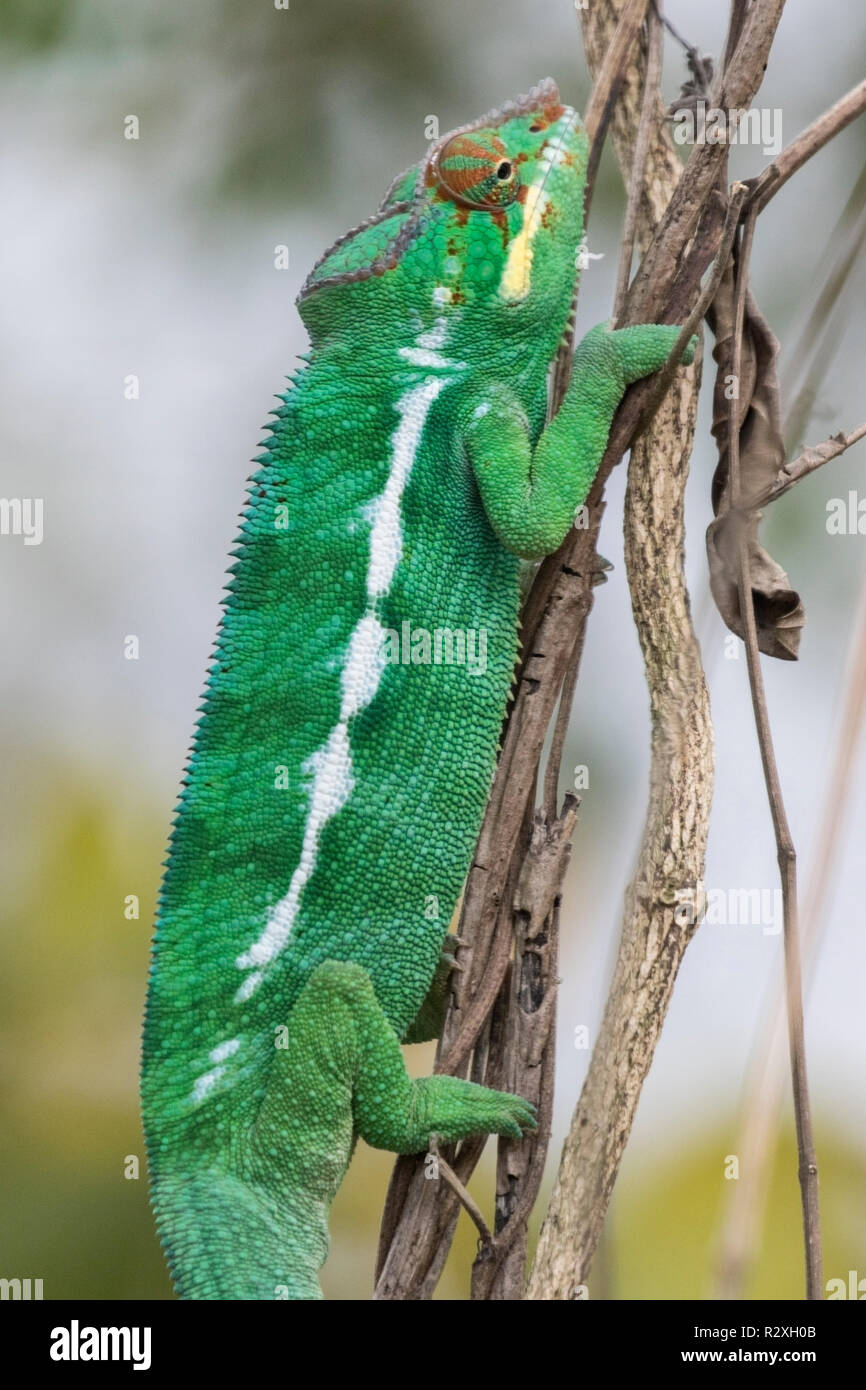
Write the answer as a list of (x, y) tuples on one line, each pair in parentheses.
[(334, 793)]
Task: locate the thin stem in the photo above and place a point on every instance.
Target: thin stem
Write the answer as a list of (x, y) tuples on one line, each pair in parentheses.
[(638, 164), (663, 378), (822, 332), (608, 82), (808, 1168), (764, 1093), (466, 1200), (807, 143), (696, 62), (811, 459), (563, 717)]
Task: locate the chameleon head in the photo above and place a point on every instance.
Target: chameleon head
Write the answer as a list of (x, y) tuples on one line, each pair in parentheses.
[(486, 229), (518, 181)]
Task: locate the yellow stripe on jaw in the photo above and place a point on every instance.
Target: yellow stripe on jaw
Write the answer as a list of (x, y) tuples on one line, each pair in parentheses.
[(515, 280)]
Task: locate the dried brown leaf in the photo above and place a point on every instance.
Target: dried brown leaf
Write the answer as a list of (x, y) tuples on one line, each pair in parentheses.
[(779, 612)]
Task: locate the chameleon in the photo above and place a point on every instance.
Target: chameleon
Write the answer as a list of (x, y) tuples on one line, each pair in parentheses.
[(349, 729)]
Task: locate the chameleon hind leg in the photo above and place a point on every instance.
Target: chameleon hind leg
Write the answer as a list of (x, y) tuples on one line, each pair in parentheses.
[(341, 1075)]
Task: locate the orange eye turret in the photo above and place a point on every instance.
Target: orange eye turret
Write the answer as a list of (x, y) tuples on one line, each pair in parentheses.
[(475, 169)]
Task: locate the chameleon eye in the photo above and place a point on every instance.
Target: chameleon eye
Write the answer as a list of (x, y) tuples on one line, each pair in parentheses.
[(474, 169)]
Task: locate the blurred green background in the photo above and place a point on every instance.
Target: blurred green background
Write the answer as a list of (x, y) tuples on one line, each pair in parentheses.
[(261, 127)]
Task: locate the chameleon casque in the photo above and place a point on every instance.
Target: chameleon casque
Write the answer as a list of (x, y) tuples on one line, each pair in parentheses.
[(338, 776)]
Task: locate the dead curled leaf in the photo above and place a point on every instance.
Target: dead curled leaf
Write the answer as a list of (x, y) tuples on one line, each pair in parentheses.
[(779, 613)]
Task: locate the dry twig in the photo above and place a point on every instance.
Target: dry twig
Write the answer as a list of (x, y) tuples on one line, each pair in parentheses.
[(758, 1127), (808, 1166), (654, 934)]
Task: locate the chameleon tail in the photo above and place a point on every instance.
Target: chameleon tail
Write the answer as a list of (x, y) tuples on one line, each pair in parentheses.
[(226, 1239)]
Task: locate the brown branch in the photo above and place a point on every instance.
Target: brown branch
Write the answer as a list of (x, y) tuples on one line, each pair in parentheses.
[(608, 82), (808, 1168), (649, 104), (663, 379), (563, 719), (809, 461), (807, 143), (528, 1024), (650, 101), (672, 854), (737, 86)]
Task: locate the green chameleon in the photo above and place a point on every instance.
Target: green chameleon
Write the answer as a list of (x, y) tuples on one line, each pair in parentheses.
[(350, 724)]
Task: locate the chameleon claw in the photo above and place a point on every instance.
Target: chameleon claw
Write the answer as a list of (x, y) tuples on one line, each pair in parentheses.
[(602, 569)]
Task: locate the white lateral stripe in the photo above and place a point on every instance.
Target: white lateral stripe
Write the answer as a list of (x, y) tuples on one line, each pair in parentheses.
[(364, 662), (205, 1084), (331, 767), (434, 338), (424, 357), (426, 352), (249, 986), (386, 540), (362, 671), (224, 1050)]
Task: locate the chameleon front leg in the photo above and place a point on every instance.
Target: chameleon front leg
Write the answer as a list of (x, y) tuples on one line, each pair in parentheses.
[(531, 495)]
